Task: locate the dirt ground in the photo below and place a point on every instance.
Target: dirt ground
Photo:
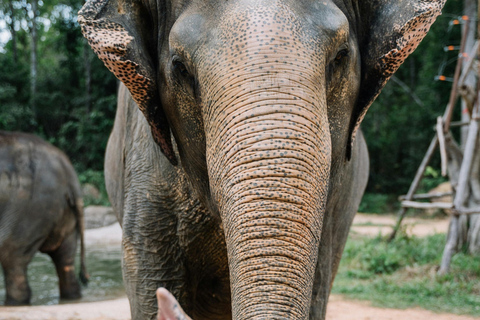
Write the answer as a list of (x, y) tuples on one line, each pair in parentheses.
[(338, 307), (373, 224)]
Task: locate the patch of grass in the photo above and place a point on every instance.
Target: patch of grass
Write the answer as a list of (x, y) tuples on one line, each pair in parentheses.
[(379, 203), (402, 274)]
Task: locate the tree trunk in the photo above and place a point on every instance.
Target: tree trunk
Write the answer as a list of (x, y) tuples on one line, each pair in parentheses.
[(468, 7), (33, 57), (13, 31), (464, 170), (471, 234), (87, 61)]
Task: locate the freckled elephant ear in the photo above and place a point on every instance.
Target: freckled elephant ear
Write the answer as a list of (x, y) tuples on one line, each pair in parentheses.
[(392, 30), (117, 32)]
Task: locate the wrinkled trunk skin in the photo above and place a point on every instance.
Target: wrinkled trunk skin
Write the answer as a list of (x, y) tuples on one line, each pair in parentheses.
[(271, 203), (268, 157)]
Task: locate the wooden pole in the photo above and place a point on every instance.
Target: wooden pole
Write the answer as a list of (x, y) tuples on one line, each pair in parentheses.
[(414, 186), (442, 147), (426, 205), (451, 245), (454, 92), (464, 174), (462, 194), (446, 127), (468, 64), (427, 195)]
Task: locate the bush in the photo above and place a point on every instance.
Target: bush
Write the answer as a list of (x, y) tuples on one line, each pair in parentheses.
[(96, 179), (376, 256), (379, 203)]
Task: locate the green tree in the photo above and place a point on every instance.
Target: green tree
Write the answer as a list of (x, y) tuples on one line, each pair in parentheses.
[(74, 93), (399, 125)]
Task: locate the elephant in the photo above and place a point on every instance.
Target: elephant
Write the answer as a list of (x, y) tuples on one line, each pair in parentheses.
[(41, 209), (236, 163)]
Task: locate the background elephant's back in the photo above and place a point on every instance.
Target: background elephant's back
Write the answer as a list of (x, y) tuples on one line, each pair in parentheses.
[(37, 183)]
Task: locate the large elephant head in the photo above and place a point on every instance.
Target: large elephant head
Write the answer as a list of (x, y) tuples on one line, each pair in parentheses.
[(264, 99)]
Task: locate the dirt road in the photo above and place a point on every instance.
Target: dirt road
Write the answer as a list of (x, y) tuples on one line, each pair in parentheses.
[(338, 307)]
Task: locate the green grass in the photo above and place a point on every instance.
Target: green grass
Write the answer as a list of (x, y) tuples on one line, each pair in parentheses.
[(403, 275)]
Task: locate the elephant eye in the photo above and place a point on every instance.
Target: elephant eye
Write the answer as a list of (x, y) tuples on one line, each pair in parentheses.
[(183, 76), (180, 68), (341, 55), (333, 73)]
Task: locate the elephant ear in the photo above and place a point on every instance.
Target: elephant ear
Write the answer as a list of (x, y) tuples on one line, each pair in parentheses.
[(118, 33), (390, 31)]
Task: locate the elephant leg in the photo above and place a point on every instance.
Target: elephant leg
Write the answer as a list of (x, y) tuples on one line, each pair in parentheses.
[(16, 282), (64, 258)]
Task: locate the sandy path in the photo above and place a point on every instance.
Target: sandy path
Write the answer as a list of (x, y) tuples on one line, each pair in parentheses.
[(338, 307), (373, 224), (117, 309)]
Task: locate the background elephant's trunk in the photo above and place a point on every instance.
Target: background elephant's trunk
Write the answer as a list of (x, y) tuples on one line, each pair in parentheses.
[(268, 155)]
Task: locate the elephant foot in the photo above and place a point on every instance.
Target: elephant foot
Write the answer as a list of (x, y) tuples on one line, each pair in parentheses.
[(13, 302), (69, 285), (168, 307), (73, 295)]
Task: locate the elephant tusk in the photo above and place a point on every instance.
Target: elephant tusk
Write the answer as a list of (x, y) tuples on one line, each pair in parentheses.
[(168, 307)]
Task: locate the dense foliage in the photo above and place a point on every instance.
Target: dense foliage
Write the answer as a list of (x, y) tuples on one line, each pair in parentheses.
[(74, 101), (399, 125)]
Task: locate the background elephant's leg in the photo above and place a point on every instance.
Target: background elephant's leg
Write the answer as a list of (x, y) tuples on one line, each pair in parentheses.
[(64, 258), (16, 282)]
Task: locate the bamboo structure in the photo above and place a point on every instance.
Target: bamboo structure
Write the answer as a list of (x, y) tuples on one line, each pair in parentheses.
[(462, 166)]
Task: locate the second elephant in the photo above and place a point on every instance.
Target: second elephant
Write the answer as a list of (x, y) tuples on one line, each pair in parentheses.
[(41, 209)]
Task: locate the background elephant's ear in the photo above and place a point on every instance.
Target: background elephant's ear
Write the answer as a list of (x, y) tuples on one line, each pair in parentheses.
[(117, 30), (390, 31)]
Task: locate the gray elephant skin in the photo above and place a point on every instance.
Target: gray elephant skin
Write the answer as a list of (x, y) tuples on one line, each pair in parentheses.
[(41, 209), (235, 165)]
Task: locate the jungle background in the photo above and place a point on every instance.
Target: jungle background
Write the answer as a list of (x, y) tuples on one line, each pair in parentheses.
[(53, 85)]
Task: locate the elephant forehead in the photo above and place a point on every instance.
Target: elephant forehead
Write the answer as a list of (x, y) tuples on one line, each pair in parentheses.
[(270, 41), (244, 20)]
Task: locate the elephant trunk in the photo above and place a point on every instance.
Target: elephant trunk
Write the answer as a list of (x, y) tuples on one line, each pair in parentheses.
[(268, 156), (268, 150)]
